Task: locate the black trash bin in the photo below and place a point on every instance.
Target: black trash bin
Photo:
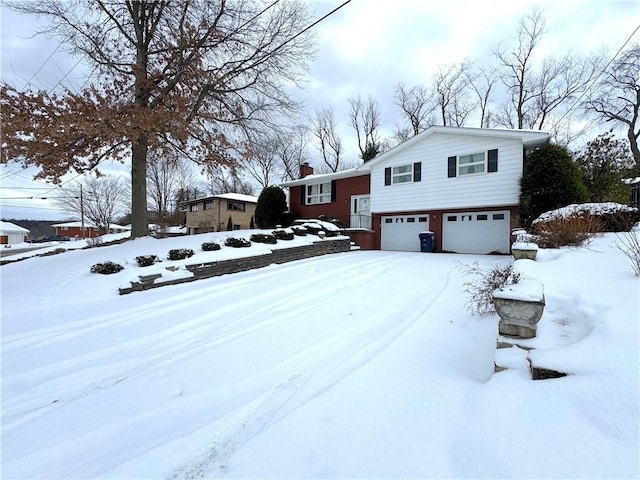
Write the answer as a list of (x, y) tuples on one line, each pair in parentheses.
[(427, 241)]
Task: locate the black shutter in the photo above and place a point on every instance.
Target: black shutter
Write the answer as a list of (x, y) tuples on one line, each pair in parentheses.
[(333, 190), (387, 176), (451, 167), (417, 171), (492, 161), (303, 194)]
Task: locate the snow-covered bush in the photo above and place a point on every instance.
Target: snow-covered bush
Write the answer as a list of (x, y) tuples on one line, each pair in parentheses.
[(264, 238), (629, 244), (146, 260), (210, 246), (106, 268), (568, 231), (283, 234), (299, 230), (237, 242), (180, 253), (480, 289), (612, 217)]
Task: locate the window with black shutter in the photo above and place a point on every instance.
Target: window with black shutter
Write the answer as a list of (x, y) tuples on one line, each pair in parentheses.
[(451, 167), (492, 161)]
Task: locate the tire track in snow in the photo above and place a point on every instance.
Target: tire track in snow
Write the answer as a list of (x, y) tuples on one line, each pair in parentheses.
[(217, 287), (176, 344), (255, 417), (335, 368)]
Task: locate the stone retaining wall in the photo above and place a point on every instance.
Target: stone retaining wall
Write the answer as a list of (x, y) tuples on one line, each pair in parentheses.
[(223, 267)]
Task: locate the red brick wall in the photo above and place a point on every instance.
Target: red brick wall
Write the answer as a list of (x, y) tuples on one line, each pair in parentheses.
[(340, 209)]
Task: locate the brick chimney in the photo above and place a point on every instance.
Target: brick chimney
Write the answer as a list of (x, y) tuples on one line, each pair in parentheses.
[(305, 170)]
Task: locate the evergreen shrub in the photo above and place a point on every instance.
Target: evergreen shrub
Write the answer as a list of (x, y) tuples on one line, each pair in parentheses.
[(106, 268), (146, 260), (264, 238), (282, 234), (210, 246), (237, 242), (180, 253)]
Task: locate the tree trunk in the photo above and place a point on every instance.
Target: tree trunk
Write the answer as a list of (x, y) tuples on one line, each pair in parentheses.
[(139, 220)]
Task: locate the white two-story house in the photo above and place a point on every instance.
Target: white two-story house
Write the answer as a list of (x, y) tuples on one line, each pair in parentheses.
[(462, 184)]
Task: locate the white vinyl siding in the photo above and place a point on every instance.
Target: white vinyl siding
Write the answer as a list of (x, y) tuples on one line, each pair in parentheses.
[(436, 190)]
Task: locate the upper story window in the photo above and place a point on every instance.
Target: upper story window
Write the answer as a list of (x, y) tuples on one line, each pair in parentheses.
[(208, 205), (473, 164), (470, 164), (318, 193), (235, 206), (193, 207), (403, 174)]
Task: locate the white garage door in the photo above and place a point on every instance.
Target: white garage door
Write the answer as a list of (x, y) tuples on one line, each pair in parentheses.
[(400, 232), (476, 232)]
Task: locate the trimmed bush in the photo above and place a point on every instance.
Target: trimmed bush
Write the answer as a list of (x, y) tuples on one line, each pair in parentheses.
[(299, 231), (272, 203), (146, 260), (180, 253), (313, 228), (106, 268), (210, 246), (481, 288), (263, 238), (550, 180), (237, 242), (282, 234)]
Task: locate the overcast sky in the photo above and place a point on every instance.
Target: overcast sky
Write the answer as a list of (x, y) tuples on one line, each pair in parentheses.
[(367, 47)]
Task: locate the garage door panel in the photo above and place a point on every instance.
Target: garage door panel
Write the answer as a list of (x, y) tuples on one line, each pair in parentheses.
[(400, 232), (476, 232)]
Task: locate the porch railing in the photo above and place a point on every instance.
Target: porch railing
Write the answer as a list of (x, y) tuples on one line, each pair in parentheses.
[(359, 220)]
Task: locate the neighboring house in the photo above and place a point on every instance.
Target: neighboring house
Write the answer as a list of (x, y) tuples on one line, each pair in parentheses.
[(11, 234), (74, 229), (462, 184), (211, 214)]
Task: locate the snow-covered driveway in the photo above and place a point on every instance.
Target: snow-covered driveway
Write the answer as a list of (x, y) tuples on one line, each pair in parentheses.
[(163, 374), (362, 364)]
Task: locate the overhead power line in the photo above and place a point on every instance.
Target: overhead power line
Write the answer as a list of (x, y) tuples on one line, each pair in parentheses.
[(602, 71)]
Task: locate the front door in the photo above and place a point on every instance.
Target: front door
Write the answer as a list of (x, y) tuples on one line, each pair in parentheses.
[(360, 212)]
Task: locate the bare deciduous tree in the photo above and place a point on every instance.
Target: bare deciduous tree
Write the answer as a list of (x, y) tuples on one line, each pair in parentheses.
[(540, 94), (100, 200), (450, 87), (482, 81), (292, 151), (329, 142), (173, 76), (517, 68), (365, 120), (166, 177), (617, 96), (227, 180), (417, 106)]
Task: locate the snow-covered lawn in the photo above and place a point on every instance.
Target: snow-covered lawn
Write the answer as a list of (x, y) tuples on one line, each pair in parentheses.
[(356, 365)]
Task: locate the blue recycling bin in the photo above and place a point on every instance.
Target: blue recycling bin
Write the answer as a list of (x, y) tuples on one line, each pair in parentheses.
[(427, 241)]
